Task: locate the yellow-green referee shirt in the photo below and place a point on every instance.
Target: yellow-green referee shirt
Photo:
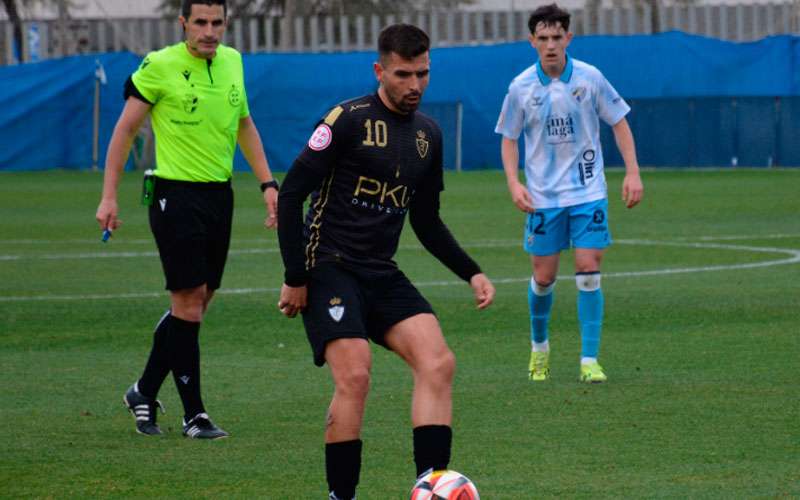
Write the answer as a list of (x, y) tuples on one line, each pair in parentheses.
[(197, 105)]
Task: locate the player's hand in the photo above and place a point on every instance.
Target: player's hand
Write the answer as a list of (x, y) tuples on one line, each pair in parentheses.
[(271, 201), (632, 190), (521, 197), (107, 215), (484, 290), (292, 300)]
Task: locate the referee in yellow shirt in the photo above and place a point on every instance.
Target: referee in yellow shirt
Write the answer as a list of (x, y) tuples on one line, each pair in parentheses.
[(194, 92)]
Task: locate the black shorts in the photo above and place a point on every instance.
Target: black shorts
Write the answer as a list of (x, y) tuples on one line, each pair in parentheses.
[(191, 222), (344, 303)]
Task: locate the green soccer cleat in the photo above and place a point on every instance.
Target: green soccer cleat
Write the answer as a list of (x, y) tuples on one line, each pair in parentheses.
[(592, 373), (539, 367)]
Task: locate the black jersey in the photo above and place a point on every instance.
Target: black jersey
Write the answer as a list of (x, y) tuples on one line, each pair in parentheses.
[(365, 167), (374, 162)]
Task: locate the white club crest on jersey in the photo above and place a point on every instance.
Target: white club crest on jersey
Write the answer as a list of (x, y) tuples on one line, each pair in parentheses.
[(163, 203), (321, 138)]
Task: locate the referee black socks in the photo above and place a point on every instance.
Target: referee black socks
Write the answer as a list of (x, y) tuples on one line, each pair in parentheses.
[(432, 447), (343, 467), (157, 367), (185, 364)]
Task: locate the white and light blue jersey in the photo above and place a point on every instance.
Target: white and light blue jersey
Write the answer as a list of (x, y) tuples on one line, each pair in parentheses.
[(560, 118)]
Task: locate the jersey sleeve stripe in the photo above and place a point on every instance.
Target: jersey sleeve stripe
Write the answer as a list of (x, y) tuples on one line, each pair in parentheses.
[(333, 116)]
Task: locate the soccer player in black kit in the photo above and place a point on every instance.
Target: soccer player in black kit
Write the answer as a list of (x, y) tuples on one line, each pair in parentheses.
[(370, 161)]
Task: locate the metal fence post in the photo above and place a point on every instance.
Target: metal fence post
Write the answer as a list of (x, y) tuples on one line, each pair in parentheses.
[(360, 45), (299, 35), (739, 22), (344, 33), (329, 41), (269, 33), (313, 28), (723, 21), (616, 21)]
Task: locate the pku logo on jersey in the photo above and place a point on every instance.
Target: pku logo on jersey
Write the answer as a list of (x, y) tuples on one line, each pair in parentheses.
[(560, 129), (380, 195), (579, 93), (536, 101), (321, 138), (336, 310)]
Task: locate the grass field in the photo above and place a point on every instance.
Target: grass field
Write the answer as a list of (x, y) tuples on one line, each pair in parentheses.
[(701, 344)]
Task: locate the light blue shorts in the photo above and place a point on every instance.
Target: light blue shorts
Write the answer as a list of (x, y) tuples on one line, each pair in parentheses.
[(550, 230)]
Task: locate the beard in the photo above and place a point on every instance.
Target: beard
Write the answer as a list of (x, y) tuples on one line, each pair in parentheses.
[(407, 103)]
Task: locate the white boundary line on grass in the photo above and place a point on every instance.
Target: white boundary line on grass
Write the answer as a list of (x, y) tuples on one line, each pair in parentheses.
[(794, 258), (259, 251)]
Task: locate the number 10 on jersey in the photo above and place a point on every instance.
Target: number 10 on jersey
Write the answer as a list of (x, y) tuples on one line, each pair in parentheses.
[(377, 135)]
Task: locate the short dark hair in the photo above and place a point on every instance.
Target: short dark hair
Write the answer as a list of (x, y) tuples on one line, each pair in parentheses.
[(405, 40), (550, 15), (186, 6)]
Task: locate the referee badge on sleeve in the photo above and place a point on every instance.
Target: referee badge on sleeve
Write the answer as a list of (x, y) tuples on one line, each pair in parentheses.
[(337, 309)]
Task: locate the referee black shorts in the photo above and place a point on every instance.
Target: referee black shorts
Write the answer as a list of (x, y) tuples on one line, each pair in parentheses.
[(191, 222), (344, 303)]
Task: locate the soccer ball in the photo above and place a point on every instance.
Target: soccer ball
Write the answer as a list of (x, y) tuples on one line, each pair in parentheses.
[(444, 485)]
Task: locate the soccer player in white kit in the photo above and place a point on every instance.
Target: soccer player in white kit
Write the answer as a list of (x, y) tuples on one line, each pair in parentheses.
[(557, 103)]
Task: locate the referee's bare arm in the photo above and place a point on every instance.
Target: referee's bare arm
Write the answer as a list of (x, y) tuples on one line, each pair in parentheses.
[(133, 114), (253, 150)]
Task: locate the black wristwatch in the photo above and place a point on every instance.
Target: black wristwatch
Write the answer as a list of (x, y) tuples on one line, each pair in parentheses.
[(271, 184)]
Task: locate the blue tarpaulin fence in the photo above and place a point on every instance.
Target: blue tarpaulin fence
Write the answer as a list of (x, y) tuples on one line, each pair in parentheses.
[(695, 101)]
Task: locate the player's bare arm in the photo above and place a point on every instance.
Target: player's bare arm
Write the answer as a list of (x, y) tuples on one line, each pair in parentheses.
[(632, 187), (509, 151), (133, 114), (253, 150)]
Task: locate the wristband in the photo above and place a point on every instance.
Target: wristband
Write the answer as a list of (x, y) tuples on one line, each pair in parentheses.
[(271, 184)]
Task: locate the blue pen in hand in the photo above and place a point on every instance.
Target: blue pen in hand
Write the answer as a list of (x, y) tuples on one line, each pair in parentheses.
[(106, 235)]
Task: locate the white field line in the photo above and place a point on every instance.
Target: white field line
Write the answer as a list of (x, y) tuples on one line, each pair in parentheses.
[(794, 258), (274, 249)]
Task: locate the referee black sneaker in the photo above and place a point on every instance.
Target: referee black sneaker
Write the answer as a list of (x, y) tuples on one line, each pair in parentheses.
[(201, 427), (143, 410)]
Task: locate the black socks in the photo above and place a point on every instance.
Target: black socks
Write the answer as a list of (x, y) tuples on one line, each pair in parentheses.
[(432, 447), (157, 367), (185, 364), (342, 467)]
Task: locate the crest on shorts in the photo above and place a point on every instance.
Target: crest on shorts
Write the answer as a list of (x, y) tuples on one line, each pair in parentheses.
[(336, 310), (422, 144)]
